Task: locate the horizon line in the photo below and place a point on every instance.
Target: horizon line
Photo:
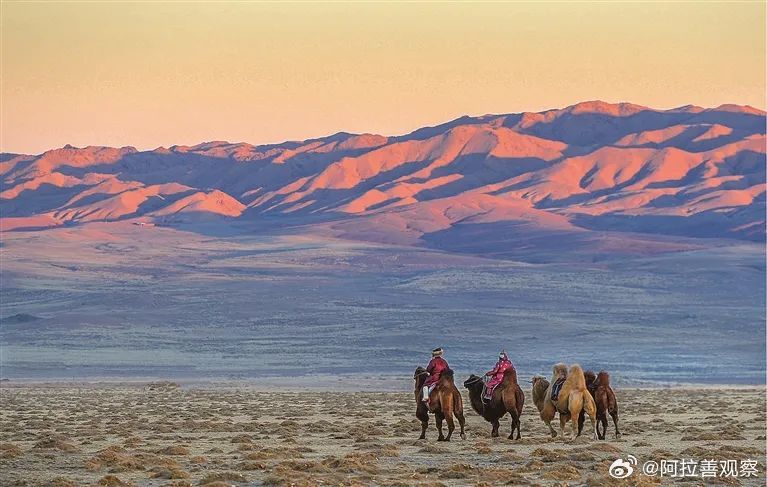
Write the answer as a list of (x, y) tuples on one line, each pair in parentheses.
[(339, 132)]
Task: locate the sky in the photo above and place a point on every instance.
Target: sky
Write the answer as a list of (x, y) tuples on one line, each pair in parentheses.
[(150, 74)]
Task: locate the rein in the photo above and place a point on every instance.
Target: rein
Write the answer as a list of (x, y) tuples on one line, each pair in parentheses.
[(484, 388)]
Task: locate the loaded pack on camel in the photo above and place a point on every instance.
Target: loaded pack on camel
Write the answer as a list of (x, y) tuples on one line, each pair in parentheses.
[(606, 403), (435, 392), (506, 398), (572, 398)]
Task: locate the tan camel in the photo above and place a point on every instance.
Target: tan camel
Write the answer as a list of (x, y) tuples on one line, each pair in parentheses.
[(573, 397)]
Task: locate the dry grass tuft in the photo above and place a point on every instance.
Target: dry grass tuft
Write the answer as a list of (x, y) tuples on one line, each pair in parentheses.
[(562, 472), (222, 476), (113, 481), (547, 455), (178, 483), (116, 458), (9, 450), (55, 443), (174, 450), (167, 473), (242, 439), (354, 462), (63, 482), (431, 448)]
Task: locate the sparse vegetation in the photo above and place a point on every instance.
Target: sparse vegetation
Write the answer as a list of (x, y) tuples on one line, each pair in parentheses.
[(124, 437)]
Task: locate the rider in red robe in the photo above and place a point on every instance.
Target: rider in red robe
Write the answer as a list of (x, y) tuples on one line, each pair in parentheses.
[(496, 375), (436, 366)]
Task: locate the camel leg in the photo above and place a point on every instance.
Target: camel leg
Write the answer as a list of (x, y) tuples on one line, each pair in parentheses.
[(614, 415), (461, 422), (496, 426), (547, 415), (438, 416), (591, 409), (563, 418), (450, 425), (424, 417), (601, 421), (575, 405), (514, 424), (552, 431)]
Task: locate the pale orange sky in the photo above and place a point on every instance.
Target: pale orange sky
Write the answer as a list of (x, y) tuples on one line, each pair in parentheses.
[(150, 74)]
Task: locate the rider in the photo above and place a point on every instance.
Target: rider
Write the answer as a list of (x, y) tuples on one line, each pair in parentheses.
[(436, 366), (496, 375)]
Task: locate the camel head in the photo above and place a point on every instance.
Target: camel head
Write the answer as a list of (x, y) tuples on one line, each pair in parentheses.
[(603, 378), (540, 386), (419, 376), (473, 382), (419, 371), (590, 377)]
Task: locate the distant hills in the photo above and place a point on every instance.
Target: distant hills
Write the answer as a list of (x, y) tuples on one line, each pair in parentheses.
[(472, 184)]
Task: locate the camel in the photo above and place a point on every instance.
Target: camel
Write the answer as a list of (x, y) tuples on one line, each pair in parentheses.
[(507, 398), (540, 391), (605, 401), (444, 401), (573, 397)]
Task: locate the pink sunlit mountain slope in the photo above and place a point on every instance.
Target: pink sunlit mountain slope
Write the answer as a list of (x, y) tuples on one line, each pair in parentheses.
[(582, 173)]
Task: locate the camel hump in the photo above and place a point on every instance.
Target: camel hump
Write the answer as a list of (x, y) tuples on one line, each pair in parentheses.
[(447, 373), (576, 369), (575, 376), (510, 375)]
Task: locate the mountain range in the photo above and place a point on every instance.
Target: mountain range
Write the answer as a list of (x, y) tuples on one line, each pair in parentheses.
[(580, 175)]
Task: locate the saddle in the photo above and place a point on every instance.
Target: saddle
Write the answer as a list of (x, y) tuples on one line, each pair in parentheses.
[(555, 388)]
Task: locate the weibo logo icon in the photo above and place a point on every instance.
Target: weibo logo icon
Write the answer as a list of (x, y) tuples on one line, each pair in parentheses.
[(621, 469)]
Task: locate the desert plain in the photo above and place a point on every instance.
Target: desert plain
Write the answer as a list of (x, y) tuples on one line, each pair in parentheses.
[(161, 434)]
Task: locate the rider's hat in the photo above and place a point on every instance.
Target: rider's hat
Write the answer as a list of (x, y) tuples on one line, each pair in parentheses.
[(437, 352)]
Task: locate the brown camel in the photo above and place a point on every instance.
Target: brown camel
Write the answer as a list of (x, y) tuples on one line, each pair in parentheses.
[(573, 397), (604, 398), (444, 401), (507, 398)]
